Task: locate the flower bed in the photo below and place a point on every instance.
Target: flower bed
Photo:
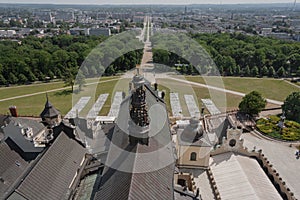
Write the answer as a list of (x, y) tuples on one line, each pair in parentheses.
[(269, 127)]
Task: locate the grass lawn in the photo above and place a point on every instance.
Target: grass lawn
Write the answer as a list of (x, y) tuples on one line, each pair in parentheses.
[(7, 92), (276, 89), (223, 101), (62, 99), (167, 97)]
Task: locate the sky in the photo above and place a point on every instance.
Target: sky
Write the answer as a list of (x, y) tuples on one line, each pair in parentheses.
[(146, 2)]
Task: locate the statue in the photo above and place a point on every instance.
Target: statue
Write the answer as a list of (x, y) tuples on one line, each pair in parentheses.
[(281, 122)]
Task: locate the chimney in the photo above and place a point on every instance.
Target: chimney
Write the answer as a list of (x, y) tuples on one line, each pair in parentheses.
[(13, 111)]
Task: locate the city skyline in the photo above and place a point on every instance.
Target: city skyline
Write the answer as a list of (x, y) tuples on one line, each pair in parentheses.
[(137, 2)]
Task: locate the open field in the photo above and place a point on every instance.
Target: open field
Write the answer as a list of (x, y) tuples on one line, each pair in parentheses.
[(7, 92), (276, 89), (224, 101), (62, 99)]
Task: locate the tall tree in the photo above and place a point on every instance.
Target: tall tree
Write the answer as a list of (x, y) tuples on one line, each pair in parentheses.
[(69, 78), (271, 71), (291, 106), (281, 72), (253, 103)]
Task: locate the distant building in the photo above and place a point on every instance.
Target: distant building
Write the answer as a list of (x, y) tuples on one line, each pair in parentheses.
[(7, 33), (79, 31), (139, 19), (66, 16), (45, 16), (99, 31)]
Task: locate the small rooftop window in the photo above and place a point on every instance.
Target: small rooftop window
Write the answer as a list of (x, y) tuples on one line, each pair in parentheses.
[(17, 163)]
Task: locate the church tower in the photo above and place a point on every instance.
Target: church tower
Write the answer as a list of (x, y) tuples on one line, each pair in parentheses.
[(139, 119)]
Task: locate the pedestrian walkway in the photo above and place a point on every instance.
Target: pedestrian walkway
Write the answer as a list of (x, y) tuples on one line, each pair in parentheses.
[(115, 106), (77, 107), (175, 105), (192, 106), (93, 113), (211, 107)]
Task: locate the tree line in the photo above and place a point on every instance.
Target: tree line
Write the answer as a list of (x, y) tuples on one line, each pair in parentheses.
[(40, 59), (237, 55)]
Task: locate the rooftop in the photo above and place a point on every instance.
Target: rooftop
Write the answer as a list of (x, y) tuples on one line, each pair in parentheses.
[(140, 171), (240, 177)]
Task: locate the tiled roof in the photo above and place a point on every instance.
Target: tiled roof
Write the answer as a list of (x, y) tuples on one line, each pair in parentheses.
[(140, 171), (11, 167), (53, 174)]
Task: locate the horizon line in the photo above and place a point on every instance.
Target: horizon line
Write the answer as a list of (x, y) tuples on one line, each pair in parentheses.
[(134, 4)]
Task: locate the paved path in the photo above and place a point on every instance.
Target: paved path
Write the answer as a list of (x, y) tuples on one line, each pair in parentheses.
[(293, 84), (54, 90), (220, 89), (281, 156), (146, 67)]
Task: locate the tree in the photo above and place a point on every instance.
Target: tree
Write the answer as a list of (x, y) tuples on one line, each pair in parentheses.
[(271, 71), (264, 71), (2, 80), (237, 70), (22, 78), (253, 103), (281, 72), (69, 78), (254, 71), (12, 78), (247, 71), (291, 107), (298, 71), (80, 80)]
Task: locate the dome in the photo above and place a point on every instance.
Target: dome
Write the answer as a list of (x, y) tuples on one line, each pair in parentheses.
[(193, 131)]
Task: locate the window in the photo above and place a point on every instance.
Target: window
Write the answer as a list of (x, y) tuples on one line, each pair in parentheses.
[(232, 142), (193, 156)]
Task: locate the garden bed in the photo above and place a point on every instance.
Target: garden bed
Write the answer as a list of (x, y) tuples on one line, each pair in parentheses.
[(269, 127)]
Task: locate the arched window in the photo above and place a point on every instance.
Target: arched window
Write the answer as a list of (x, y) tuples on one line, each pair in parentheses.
[(193, 156), (232, 142)]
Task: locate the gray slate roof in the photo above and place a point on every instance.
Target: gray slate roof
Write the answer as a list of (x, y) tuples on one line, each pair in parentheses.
[(49, 111), (13, 131), (140, 171), (11, 167), (202, 141), (52, 175)]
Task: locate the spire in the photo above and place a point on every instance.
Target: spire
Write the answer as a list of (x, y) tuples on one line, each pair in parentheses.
[(48, 104), (138, 110), (49, 110)]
